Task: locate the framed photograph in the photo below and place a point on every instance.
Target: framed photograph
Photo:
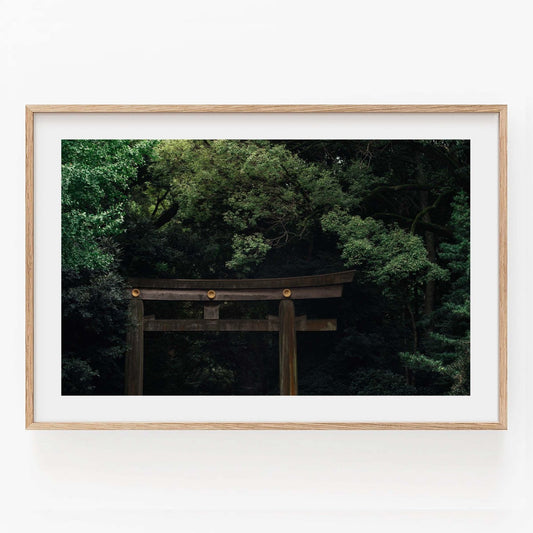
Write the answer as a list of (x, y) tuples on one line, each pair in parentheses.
[(266, 267)]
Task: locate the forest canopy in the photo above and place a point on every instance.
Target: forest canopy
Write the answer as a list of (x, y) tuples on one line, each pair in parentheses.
[(397, 212)]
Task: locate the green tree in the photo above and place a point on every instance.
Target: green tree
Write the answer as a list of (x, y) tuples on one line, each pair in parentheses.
[(239, 199), (95, 180), (449, 345)]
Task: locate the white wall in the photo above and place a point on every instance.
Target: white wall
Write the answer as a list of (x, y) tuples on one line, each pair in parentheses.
[(270, 52)]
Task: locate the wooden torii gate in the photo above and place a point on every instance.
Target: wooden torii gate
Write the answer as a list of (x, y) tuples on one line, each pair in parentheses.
[(212, 292)]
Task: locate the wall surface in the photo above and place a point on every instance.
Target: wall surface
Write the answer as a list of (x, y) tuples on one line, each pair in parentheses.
[(272, 52)]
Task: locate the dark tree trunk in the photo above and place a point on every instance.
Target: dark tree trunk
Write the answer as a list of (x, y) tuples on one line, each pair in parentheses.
[(429, 236), (429, 240)]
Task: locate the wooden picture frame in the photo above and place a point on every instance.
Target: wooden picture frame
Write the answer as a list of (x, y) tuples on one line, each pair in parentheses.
[(499, 110)]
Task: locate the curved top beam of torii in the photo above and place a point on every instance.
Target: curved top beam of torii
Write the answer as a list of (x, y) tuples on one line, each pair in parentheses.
[(296, 288)]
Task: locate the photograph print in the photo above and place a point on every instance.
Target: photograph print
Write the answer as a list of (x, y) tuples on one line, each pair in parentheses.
[(265, 267)]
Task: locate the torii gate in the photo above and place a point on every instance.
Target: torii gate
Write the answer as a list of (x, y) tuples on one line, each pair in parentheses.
[(212, 292)]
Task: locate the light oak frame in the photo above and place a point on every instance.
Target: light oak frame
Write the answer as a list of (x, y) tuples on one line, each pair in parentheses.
[(501, 110)]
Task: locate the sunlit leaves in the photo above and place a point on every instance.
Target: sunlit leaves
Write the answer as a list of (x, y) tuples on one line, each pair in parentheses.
[(259, 193), (388, 256), (95, 178)]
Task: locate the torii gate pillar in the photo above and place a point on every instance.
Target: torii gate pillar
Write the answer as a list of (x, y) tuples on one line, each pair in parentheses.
[(134, 370), (288, 375)]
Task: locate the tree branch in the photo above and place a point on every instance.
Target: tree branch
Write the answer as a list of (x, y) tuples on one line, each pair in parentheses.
[(442, 230), (427, 209), (158, 203), (167, 215), (403, 187)]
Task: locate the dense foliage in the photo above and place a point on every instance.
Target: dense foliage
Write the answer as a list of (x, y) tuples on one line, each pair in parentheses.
[(397, 212)]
